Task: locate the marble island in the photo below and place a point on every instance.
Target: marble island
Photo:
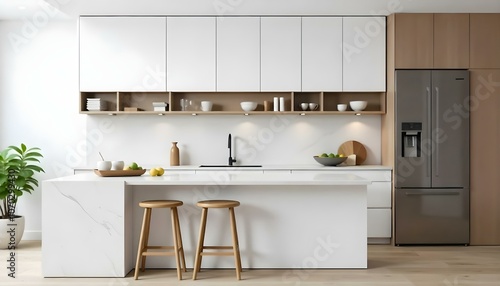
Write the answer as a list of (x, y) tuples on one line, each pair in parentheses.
[(308, 219)]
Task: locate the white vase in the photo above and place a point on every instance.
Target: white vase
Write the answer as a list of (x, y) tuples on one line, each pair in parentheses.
[(11, 232)]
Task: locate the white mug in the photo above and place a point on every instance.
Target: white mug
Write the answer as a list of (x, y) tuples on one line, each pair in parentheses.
[(313, 106), (341, 107), (206, 105), (117, 165), (304, 106), (103, 165)]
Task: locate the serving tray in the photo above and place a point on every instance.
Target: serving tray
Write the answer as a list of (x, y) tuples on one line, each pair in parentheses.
[(119, 173)]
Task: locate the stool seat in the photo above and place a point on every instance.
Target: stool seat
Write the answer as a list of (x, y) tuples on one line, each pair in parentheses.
[(218, 204), (145, 250), (234, 249), (160, 204)]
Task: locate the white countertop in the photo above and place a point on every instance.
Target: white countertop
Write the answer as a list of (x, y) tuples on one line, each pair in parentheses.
[(270, 167), (226, 178)]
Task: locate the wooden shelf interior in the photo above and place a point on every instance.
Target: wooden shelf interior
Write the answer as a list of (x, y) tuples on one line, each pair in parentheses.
[(376, 100), (109, 97), (142, 100), (307, 97), (227, 101)]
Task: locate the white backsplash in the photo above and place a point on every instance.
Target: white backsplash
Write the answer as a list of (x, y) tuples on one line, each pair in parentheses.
[(257, 139)]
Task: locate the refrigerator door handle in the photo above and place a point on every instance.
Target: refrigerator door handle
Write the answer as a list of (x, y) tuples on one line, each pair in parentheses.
[(418, 193), (429, 128), (436, 165)]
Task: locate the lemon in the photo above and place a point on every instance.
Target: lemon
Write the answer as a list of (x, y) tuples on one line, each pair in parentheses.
[(341, 155), (160, 170), (126, 168), (153, 172)]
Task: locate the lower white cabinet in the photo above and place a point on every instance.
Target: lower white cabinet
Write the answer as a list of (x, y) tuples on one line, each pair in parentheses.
[(379, 223), (379, 200)]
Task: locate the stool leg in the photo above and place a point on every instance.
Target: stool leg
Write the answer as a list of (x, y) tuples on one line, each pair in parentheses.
[(236, 246), (141, 241), (176, 242), (201, 239), (146, 238), (179, 238)]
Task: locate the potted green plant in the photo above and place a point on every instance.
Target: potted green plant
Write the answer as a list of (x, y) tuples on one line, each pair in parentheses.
[(18, 166)]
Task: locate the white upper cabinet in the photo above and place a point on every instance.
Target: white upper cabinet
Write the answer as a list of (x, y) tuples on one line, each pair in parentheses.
[(238, 54), (280, 54), (122, 53), (364, 54), (191, 53), (322, 54)]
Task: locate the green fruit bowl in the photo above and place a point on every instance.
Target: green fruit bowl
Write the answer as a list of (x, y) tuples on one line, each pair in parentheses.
[(328, 161)]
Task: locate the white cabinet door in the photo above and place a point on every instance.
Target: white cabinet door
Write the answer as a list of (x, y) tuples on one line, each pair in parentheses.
[(379, 223), (280, 54), (364, 54), (379, 195), (122, 53), (238, 54), (191, 53), (321, 54)]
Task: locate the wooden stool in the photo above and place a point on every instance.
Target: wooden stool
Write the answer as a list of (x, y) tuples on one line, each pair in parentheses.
[(178, 250), (236, 248)]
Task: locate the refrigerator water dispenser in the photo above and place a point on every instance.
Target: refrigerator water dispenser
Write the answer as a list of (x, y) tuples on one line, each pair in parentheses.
[(411, 138)]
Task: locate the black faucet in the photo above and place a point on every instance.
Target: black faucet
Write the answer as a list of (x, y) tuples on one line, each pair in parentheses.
[(231, 160)]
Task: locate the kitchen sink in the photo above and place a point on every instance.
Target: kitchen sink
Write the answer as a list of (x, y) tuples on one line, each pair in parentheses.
[(227, 166)]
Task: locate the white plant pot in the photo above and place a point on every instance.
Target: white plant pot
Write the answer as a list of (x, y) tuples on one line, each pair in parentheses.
[(11, 232)]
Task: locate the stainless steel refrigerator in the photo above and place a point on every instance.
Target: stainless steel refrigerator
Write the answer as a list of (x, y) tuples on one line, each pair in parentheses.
[(432, 157)]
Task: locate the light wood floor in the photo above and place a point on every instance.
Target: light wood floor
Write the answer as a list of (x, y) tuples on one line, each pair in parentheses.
[(387, 265)]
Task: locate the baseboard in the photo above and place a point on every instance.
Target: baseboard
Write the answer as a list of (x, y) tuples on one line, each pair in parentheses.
[(32, 235), (379, 240)]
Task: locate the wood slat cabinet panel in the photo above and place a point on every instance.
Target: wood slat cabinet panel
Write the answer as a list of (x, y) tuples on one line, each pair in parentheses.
[(432, 40), (414, 40), (451, 40), (485, 157), (484, 40)]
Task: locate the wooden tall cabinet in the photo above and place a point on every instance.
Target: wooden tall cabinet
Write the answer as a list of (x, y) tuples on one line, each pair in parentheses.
[(426, 41), (459, 41), (485, 41), (485, 156)]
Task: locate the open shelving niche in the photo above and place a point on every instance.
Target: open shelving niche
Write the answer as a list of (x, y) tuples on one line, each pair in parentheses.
[(228, 103)]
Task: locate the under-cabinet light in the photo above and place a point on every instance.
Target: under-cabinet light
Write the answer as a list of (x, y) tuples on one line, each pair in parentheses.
[(246, 114), (112, 114), (357, 113), (194, 114), (160, 114), (302, 114)]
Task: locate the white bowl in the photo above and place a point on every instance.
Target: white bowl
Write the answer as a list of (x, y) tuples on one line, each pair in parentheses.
[(248, 105), (341, 107), (358, 105)]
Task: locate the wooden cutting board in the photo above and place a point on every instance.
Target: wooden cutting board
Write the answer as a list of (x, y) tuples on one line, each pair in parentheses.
[(353, 147)]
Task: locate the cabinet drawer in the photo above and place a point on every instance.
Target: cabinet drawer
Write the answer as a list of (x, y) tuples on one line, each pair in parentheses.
[(379, 223), (377, 176), (379, 195)]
